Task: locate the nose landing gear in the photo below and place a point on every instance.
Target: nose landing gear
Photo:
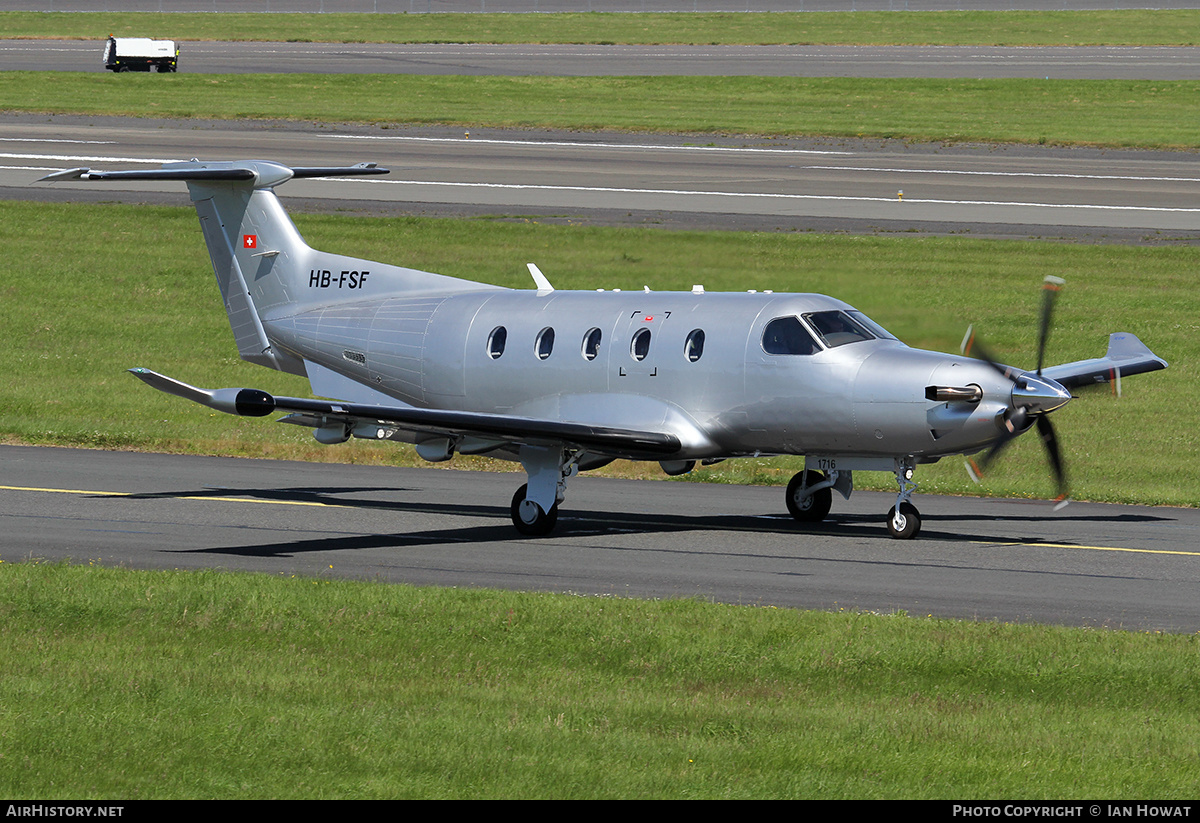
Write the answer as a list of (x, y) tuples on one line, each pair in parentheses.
[(903, 519)]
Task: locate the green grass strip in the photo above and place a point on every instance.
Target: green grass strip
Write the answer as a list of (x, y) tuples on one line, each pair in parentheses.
[(139, 291), (1013, 28), (1088, 112), (139, 685)]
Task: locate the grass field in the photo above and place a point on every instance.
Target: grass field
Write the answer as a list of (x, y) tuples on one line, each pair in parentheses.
[(1010, 28), (138, 685), (1085, 112)]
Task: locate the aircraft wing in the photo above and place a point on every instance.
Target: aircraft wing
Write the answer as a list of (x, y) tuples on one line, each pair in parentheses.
[(606, 440), (1127, 355)]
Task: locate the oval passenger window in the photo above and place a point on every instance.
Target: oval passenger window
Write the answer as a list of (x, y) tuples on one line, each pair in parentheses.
[(639, 347), (496, 341)]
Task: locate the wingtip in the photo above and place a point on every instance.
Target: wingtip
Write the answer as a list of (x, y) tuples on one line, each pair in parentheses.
[(66, 174)]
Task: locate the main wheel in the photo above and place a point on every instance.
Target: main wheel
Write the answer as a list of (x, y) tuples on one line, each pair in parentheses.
[(906, 524), (528, 516), (815, 506)]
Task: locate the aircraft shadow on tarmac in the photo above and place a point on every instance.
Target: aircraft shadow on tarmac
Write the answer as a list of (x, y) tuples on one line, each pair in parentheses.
[(500, 535), (581, 523)]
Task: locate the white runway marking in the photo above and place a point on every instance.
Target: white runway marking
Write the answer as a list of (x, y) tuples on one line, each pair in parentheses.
[(567, 144), (769, 195)]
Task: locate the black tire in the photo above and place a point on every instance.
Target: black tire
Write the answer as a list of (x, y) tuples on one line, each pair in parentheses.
[(813, 508), (908, 525), (543, 522)]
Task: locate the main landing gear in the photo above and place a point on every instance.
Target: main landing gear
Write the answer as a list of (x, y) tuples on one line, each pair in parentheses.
[(809, 496), (535, 505), (529, 517)]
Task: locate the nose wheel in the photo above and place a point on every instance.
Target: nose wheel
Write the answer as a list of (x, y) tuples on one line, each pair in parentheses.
[(904, 523), (903, 519)]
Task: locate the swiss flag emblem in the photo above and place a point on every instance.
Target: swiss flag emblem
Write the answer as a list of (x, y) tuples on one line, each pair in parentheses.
[(249, 241)]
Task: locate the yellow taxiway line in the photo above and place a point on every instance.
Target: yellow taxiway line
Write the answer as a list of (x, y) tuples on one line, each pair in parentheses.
[(92, 493)]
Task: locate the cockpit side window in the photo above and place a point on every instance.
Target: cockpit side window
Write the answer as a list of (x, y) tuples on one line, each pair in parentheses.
[(787, 335), (837, 328)]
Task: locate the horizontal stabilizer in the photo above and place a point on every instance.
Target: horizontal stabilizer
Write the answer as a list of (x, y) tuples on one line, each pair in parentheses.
[(1126, 356), (606, 440), (263, 174), (338, 171), (150, 174)]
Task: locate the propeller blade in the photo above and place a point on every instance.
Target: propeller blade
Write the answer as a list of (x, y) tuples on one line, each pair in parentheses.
[(1015, 423), (1050, 439), (978, 469), (1050, 288), (1032, 398), (971, 342)]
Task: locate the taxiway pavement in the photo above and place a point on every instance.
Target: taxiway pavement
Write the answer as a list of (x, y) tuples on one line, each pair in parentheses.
[(1126, 567)]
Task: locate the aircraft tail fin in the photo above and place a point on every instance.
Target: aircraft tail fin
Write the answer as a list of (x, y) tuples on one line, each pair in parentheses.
[(262, 264)]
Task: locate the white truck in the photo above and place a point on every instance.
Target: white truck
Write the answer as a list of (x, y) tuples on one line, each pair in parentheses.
[(140, 54)]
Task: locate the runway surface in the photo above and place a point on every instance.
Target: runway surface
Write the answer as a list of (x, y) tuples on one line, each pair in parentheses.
[(703, 182), (582, 60), (1125, 567)]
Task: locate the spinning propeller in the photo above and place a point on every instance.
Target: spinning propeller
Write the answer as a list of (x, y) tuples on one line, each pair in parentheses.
[(1033, 397)]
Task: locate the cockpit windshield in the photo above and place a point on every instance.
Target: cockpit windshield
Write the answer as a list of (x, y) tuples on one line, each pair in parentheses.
[(837, 328), (875, 329)]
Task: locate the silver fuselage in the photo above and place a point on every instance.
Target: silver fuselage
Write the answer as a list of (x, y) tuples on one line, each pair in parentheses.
[(860, 399)]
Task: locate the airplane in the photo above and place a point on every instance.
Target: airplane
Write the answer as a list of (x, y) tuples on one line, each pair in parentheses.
[(568, 381)]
